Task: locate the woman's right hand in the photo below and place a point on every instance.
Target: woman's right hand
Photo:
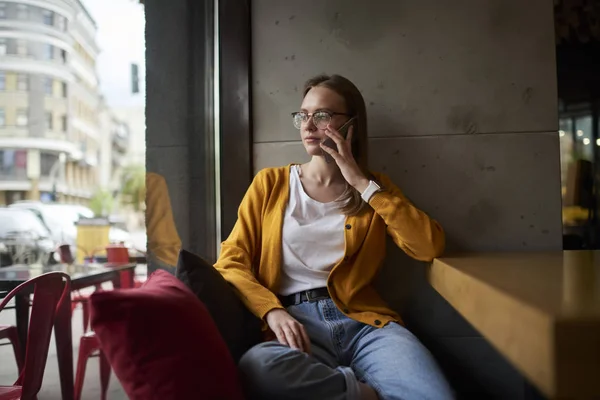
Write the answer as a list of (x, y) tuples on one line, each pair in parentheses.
[(288, 331)]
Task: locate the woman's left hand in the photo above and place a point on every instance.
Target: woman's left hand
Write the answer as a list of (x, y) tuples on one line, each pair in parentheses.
[(344, 158)]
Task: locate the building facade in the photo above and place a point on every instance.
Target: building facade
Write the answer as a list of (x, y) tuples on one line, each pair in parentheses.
[(50, 134), (114, 149)]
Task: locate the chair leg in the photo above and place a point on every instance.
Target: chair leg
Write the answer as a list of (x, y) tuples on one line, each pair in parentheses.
[(85, 351), (104, 374), (86, 315), (13, 337)]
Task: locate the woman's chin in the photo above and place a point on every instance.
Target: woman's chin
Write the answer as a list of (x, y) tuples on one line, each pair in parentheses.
[(313, 151)]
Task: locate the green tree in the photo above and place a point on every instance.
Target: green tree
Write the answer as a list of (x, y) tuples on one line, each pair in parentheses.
[(102, 203), (133, 186)]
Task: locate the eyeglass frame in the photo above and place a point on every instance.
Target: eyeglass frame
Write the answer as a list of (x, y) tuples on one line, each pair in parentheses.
[(310, 116)]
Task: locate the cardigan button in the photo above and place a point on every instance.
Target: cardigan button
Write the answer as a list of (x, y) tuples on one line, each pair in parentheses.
[(346, 311), (377, 322), (348, 226)]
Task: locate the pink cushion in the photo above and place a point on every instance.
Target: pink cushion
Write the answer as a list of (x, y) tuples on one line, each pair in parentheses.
[(162, 343)]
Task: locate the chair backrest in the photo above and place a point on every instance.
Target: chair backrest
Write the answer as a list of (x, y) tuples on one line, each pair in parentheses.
[(49, 290)]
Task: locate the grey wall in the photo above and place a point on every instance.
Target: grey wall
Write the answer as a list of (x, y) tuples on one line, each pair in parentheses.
[(462, 109)]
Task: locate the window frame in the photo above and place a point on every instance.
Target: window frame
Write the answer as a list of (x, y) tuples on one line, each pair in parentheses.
[(22, 113), (24, 81)]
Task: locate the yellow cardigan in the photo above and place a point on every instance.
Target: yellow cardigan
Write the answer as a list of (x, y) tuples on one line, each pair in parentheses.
[(251, 256)]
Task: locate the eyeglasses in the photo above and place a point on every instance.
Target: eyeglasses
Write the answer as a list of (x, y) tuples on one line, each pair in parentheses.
[(320, 118)]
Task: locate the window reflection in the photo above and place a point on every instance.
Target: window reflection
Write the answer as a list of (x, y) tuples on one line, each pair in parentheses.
[(579, 157)]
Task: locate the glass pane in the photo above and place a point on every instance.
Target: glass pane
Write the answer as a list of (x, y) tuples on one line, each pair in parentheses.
[(583, 136)]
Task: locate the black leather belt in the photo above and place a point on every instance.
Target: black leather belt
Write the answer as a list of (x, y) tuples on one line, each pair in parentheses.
[(307, 295)]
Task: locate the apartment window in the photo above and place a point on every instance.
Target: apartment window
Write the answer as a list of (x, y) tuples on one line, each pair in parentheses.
[(48, 86), (2, 117), (49, 121), (47, 161), (63, 55), (22, 47), (64, 122), (61, 22), (2, 10), (3, 46), (48, 17), (22, 118), (22, 12), (2, 81), (48, 52), (64, 89), (22, 82)]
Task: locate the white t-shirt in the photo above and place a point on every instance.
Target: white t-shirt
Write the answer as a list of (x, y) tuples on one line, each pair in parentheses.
[(313, 239)]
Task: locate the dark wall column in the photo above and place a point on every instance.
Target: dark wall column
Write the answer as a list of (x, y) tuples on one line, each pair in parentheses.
[(179, 129), (235, 131)]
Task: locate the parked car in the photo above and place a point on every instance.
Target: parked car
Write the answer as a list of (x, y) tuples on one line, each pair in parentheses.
[(61, 220), (25, 239), (5, 257)]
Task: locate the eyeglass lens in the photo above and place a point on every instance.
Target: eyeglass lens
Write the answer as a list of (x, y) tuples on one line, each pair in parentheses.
[(321, 119)]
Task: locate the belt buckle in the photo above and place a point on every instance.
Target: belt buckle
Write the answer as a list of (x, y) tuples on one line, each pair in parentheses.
[(310, 298)]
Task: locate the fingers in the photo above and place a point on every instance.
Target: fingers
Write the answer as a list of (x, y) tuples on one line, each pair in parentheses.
[(294, 336), (292, 339), (281, 337), (336, 156), (334, 135)]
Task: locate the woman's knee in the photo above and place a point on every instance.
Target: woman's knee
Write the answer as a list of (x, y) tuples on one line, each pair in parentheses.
[(264, 365)]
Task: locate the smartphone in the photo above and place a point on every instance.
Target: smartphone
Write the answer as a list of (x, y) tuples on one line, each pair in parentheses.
[(343, 130)]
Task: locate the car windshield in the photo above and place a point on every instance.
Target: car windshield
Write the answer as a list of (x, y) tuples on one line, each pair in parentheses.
[(18, 221)]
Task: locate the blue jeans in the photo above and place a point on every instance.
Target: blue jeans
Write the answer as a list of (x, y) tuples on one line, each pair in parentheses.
[(343, 352)]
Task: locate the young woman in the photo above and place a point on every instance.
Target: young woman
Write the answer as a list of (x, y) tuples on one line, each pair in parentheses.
[(307, 245)]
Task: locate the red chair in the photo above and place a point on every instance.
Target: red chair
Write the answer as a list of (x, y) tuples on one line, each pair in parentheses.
[(120, 254), (48, 292), (10, 332), (66, 257), (88, 344)]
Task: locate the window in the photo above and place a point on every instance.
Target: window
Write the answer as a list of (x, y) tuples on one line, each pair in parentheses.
[(61, 22), (64, 89), (2, 118), (48, 52), (48, 86), (63, 56), (2, 10), (49, 121), (22, 82), (22, 118), (22, 47), (3, 46), (22, 12), (64, 121), (47, 161), (2, 81), (48, 17)]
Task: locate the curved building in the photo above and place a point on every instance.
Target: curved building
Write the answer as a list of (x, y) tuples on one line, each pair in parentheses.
[(49, 101)]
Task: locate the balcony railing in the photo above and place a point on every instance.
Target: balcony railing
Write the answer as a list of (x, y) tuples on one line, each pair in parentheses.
[(13, 174)]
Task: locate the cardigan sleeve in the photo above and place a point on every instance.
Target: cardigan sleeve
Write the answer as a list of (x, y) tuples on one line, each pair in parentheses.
[(412, 230), (242, 248)]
